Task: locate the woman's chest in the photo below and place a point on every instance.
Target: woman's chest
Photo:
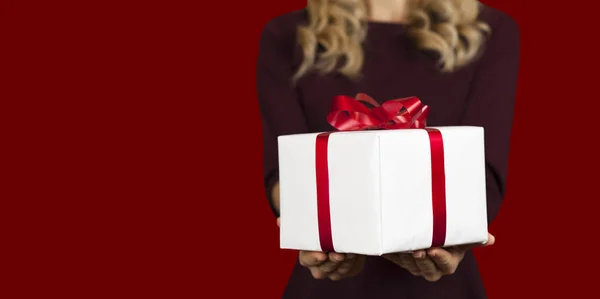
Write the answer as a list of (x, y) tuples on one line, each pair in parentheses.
[(386, 78)]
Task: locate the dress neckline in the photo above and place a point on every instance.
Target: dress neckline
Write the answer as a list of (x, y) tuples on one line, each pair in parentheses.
[(380, 27)]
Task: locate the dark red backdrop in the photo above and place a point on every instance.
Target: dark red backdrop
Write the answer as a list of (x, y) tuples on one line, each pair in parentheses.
[(133, 153)]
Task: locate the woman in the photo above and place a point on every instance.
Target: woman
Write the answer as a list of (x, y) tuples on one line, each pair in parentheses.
[(458, 56)]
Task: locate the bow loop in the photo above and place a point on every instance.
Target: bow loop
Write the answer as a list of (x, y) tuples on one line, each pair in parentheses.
[(349, 114)]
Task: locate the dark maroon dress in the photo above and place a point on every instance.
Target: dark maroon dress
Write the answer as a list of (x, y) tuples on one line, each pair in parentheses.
[(481, 94)]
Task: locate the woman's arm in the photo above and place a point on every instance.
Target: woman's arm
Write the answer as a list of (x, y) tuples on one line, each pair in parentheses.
[(275, 196), (280, 110), (282, 114), (490, 105)]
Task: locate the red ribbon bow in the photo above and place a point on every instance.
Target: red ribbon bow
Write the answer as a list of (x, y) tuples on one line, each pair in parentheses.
[(348, 114)]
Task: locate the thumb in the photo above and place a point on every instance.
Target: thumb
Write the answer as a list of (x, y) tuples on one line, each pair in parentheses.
[(463, 248), (491, 240)]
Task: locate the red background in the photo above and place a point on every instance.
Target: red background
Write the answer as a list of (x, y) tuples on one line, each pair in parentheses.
[(133, 153)]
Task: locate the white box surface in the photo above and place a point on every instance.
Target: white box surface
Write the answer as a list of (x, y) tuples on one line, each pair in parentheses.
[(380, 193)]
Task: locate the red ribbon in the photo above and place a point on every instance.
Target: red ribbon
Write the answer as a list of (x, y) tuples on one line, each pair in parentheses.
[(348, 114)]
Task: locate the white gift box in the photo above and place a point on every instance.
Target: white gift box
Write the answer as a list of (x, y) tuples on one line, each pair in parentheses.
[(380, 197)]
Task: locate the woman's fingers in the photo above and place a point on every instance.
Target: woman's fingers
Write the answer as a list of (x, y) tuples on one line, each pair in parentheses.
[(351, 266), (464, 248), (335, 266), (311, 258), (444, 260), (491, 240), (317, 273), (337, 257), (332, 263), (346, 265), (408, 262), (428, 268), (357, 266), (434, 263), (320, 264)]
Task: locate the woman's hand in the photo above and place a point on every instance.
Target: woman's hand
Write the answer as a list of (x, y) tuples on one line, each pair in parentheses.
[(334, 266), (434, 263)]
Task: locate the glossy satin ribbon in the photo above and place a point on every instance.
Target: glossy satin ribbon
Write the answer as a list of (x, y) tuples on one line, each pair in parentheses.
[(348, 114)]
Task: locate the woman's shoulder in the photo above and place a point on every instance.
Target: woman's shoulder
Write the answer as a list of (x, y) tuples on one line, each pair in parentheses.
[(499, 21), (504, 41), (285, 24)]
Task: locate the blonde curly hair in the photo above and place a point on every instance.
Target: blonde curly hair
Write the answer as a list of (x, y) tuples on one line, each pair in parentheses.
[(448, 28)]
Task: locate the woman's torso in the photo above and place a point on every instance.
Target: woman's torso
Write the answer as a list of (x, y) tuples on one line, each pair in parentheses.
[(392, 69)]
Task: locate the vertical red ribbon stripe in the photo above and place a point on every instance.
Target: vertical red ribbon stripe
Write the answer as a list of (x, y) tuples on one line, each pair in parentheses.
[(438, 190), (438, 187), (322, 175)]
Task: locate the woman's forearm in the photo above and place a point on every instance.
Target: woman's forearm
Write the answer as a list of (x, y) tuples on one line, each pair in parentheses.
[(275, 196)]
